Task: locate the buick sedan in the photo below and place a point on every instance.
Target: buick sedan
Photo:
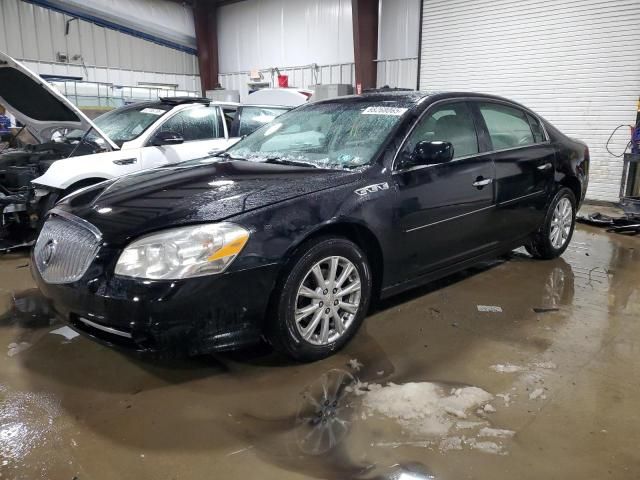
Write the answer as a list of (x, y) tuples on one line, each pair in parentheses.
[(293, 232)]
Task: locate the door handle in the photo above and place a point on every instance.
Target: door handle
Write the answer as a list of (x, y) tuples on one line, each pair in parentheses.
[(126, 161), (481, 182), (546, 166)]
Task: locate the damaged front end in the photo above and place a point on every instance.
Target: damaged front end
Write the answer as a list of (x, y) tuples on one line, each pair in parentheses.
[(45, 117)]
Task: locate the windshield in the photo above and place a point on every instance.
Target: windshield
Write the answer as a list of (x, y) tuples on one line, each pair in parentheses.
[(124, 124), (326, 135)]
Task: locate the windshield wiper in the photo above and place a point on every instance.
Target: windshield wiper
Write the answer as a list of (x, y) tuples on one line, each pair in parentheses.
[(295, 163), (227, 155)]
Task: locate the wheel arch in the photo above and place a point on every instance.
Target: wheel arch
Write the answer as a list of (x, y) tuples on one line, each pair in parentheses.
[(573, 184), (359, 234)]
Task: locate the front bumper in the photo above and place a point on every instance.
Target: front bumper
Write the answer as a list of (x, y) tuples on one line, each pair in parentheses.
[(181, 317)]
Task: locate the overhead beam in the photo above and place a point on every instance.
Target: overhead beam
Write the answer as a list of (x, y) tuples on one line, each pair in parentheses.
[(205, 20), (364, 15)]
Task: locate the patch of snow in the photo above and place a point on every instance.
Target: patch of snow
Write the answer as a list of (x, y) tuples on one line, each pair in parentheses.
[(545, 365), (422, 444), (380, 373), (468, 424), (16, 348), (488, 408), (506, 368), (355, 365), (66, 332), (451, 443), (455, 412), (487, 447), (423, 408), (489, 308), (496, 432), (537, 393), (506, 397)]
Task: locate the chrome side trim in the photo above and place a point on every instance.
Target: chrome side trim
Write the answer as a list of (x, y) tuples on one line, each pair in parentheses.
[(534, 194), (103, 328), (448, 219), (78, 221)]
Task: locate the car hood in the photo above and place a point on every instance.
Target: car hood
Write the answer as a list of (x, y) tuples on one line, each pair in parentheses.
[(37, 105), (188, 194)]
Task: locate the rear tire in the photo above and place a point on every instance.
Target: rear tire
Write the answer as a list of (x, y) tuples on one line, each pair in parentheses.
[(321, 301), (554, 236)]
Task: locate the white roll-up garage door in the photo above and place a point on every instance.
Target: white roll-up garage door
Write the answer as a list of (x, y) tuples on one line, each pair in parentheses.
[(576, 63)]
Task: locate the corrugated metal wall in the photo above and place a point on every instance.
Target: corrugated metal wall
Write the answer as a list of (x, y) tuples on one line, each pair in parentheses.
[(398, 33), (36, 35), (288, 34), (576, 63)]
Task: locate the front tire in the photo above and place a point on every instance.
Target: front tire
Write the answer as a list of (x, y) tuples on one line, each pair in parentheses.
[(322, 299), (553, 237)]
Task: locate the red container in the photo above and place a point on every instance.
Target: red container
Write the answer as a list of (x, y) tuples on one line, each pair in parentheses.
[(283, 81)]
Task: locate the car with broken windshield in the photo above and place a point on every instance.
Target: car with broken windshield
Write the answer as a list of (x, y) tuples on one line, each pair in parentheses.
[(292, 233)]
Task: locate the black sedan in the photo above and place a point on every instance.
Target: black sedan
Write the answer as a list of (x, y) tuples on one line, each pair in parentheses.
[(291, 233)]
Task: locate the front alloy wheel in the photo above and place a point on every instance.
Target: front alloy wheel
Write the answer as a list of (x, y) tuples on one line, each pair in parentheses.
[(328, 300), (321, 300)]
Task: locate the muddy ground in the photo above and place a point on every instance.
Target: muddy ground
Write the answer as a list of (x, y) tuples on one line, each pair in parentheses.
[(557, 362)]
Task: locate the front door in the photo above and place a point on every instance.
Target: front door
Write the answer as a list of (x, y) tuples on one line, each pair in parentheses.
[(201, 128), (442, 211), (525, 166)]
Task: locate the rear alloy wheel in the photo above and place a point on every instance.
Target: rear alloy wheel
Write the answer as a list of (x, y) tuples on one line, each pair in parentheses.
[(323, 300), (555, 234)]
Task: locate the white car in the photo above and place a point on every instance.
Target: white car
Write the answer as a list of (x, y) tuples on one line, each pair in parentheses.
[(73, 152)]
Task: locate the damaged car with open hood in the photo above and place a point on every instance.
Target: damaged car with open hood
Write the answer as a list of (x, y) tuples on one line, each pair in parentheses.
[(69, 151)]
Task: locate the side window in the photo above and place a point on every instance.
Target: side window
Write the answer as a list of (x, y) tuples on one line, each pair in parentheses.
[(451, 123), (199, 123), (536, 128), (508, 127)]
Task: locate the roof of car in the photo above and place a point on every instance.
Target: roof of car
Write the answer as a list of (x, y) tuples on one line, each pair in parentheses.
[(405, 97)]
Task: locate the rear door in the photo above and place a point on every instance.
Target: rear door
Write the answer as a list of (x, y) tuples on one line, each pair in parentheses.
[(442, 211), (525, 165), (203, 133)]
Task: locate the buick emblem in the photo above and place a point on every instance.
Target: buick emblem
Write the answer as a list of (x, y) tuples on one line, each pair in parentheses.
[(48, 251)]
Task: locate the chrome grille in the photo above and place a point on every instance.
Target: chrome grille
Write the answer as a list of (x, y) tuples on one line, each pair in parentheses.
[(65, 248)]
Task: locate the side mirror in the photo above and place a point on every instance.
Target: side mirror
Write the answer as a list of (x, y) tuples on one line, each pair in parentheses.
[(166, 138), (430, 153)]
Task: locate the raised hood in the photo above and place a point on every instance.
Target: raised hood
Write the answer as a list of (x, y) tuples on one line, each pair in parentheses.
[(38, 105)]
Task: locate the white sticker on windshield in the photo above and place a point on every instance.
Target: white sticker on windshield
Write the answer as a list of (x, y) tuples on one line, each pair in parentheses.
[(384, 111), (153, 111)]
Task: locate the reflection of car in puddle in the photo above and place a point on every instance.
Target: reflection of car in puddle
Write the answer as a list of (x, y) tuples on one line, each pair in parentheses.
[(324, 414), (558, 287)]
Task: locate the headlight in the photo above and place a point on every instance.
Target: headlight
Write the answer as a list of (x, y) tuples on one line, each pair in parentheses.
[(183, 252)]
